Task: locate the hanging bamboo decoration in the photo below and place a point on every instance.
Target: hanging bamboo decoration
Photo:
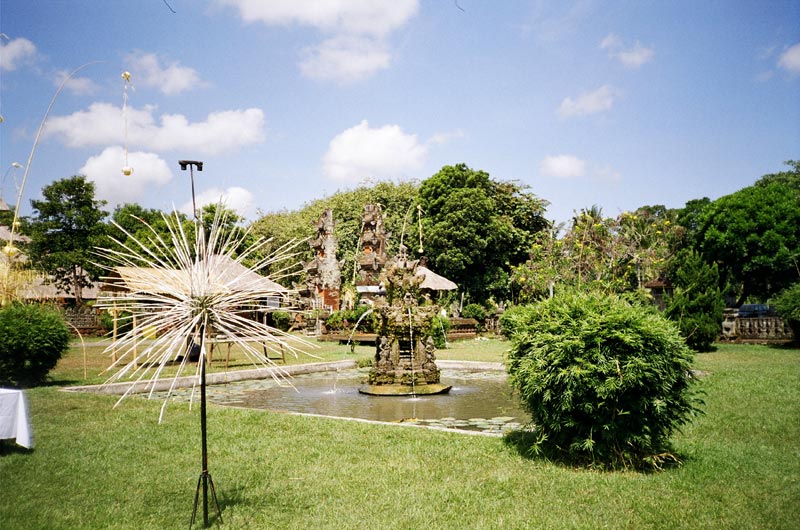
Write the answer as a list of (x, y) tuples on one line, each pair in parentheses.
[(127, 170)]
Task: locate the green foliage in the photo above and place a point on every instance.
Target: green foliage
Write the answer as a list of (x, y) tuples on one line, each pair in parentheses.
[(606, 382), (32, 340), (281, 320), (440, 325), (787, 304), (124, 321), (346, 320), (598, 253), (696, 303), (476, 311), (134, 224), (476, 246), (754, 236), (65, 229), (396, 202)]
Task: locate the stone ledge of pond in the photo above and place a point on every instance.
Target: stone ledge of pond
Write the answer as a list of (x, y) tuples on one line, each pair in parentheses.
[(401, 423), (218, 378), (474, 366)]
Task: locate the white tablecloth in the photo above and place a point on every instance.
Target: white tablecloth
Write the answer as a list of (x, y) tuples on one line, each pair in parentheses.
[(14, 417)]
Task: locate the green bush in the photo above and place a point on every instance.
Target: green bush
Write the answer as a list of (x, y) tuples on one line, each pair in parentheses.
[(606, 382), (281, 320), (439, 327), (696, 303), (124, 321), (513, 320), (787, 304), (476, 311), (346, 319), (32, 340)]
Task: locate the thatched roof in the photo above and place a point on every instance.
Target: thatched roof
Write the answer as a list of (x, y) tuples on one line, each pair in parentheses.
[(226, 272), (433, 281), (5, 235), (40, 288)]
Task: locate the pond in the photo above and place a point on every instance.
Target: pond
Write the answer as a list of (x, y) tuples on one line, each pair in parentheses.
[(478, 401)]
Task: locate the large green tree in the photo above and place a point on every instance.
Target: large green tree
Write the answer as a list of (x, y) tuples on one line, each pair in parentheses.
[(65, 228), (753, 235), (476, 229)]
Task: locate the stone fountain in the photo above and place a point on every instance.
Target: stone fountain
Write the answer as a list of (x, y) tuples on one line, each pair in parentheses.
[(405, 360)]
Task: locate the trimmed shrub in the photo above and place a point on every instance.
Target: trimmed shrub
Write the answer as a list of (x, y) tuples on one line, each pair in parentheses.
[(32, 340), (787, 304), (606, 382), (476, 311), (281, 320)]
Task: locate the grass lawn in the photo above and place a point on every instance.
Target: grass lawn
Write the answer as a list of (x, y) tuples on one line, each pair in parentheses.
[(94, 467)]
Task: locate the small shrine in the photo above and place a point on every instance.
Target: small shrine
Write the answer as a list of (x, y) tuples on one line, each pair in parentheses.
[(323, 273), (405, 360), (372, 252)]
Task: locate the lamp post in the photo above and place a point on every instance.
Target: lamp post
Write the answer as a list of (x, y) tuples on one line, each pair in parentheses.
[(205, 477), (191, 164)]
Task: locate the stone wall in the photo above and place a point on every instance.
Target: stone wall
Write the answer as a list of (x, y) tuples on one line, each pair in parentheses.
[(762, 329)]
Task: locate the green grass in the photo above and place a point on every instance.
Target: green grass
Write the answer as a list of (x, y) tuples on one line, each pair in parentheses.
[(94, 467), (85, 362)]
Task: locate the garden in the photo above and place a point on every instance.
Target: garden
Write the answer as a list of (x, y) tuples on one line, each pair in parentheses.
[(98, 467)]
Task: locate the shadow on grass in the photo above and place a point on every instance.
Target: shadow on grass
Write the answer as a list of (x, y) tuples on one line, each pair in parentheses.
[(9, 447), (527, 444)]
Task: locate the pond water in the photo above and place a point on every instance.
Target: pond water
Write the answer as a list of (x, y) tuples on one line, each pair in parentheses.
[(478, 400)]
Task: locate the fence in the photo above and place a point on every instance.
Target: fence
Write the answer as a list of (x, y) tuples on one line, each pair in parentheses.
[(765, 329)]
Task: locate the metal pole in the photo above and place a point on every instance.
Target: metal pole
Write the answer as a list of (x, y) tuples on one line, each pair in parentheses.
[(203, 425), (205, 477)]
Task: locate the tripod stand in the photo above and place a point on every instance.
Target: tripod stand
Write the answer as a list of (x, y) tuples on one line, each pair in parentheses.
[(205, 477)]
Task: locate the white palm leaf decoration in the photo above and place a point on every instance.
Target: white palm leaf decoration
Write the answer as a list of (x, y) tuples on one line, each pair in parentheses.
[(193, 288)]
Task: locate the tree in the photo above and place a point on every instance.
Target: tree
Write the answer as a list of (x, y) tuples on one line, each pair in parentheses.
[(476, 229), (612, 255), (696, 303), (65, 228), (753, 235), (787, 303), (134, 224)]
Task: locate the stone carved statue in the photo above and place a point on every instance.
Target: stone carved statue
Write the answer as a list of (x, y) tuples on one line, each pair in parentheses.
[(405, 362)]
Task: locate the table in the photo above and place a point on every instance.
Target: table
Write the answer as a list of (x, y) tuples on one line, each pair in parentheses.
[(14, 421)]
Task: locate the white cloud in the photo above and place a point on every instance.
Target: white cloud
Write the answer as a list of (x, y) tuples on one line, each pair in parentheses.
[(363, 152), (77, 85), (607, 174), (445, 137), (105, 170), (16, 52), (588, 102), (632, 57), (345, 58), (236, 198), (370, 17), (790, 59), (562, 166), (146, 70), (356, 47), (102, 124)]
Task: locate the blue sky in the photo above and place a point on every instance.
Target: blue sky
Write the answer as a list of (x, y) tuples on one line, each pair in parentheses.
[(618, 104)]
